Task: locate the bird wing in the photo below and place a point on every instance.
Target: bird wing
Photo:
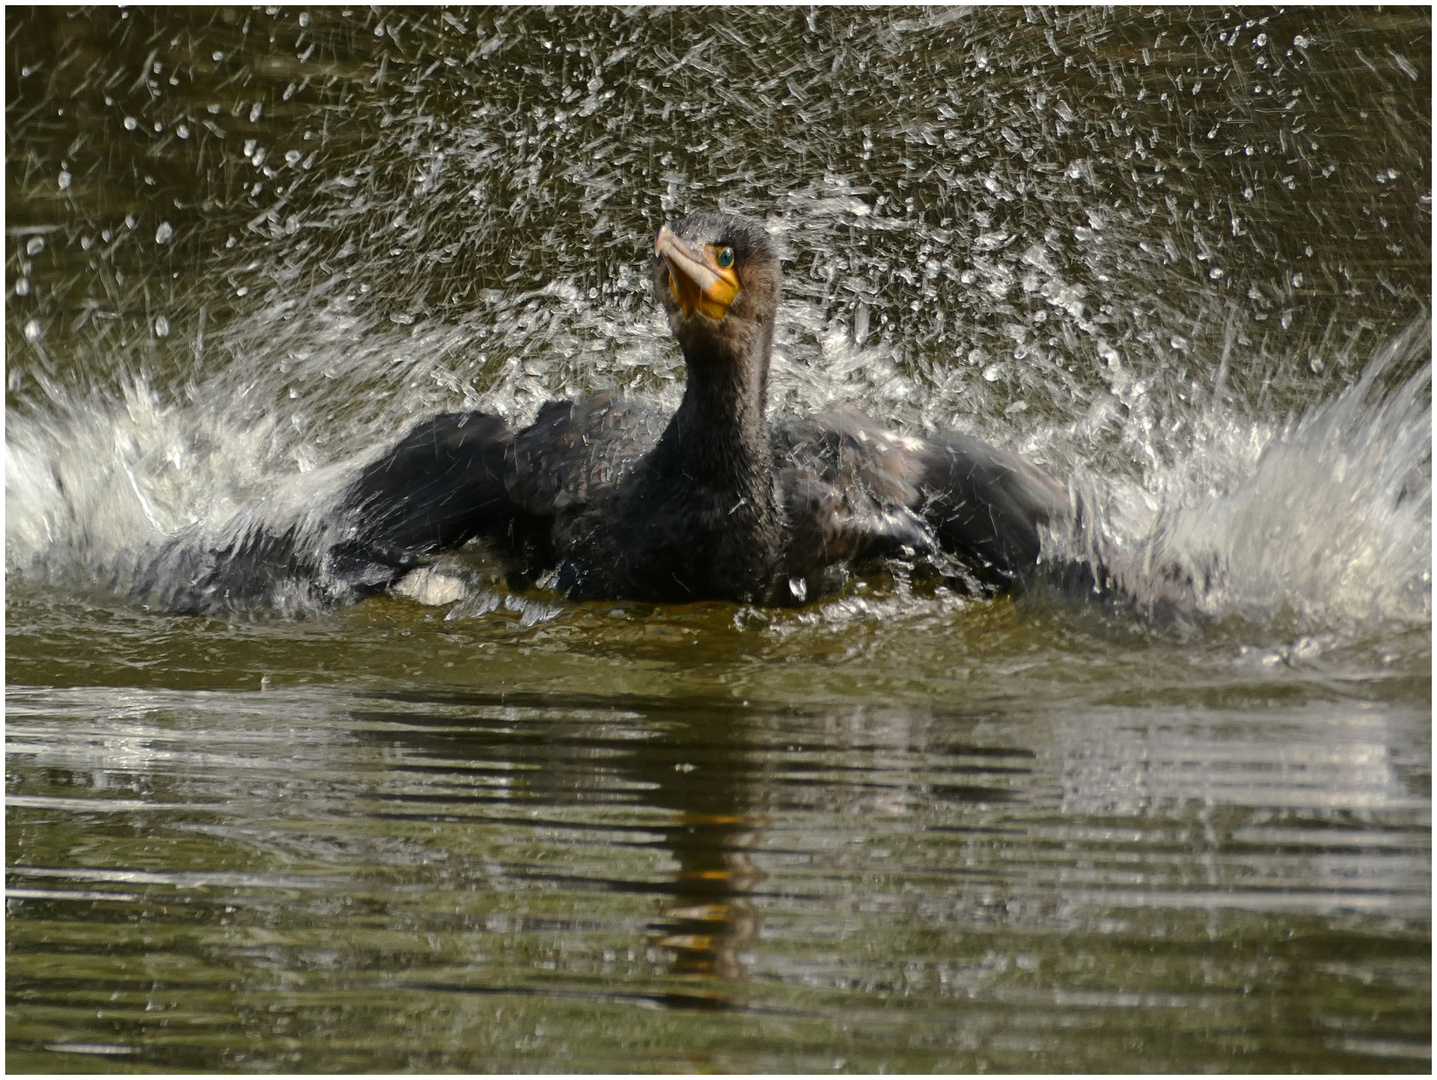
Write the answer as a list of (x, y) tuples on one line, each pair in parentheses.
[(576, 453), (442, 484), (987, 504), (462, 475), (853, 489), (849, 489)]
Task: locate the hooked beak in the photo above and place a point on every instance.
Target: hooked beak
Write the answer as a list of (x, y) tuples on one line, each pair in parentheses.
[(695, 278)]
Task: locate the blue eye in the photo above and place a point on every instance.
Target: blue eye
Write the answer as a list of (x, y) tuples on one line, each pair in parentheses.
[(725, 258)]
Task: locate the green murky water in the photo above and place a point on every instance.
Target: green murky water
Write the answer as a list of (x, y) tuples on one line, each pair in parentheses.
[(894, 830)]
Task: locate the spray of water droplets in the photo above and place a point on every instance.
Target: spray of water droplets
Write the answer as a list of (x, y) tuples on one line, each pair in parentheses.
[(1106, 239)]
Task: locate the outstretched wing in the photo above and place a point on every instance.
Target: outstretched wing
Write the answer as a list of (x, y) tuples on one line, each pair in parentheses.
[(987, 504), (849, 489), (464, 475), (576, 453), (852, 490), (438, 486), (444, 483)]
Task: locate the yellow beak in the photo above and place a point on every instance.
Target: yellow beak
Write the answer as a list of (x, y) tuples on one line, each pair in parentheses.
[(695, 278)]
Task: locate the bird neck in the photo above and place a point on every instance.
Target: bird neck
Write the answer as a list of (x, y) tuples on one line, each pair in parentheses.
[(719, 435)]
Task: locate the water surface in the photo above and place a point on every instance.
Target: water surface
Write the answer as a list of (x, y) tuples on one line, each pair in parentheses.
[(1182, 261)]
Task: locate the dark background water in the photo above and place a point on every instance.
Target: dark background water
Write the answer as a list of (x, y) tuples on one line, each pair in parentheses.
[(895, 830)]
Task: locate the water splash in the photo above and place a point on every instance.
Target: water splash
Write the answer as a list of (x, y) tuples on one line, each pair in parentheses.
[(133, 493), (236, 278), (1327, 517)]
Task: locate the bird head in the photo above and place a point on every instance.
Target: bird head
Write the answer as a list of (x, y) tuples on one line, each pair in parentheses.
[(717, 277)]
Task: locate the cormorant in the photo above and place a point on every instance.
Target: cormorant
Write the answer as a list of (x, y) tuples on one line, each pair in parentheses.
[(712, 503)]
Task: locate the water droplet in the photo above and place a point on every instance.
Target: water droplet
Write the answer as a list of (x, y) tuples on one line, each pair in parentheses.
[(1301, 42), (22, 287), (1215, 273), (131, 123), (1297, 278), (217, 56), (182, 131), (162, 326), (164, 232), (64, 181), (32, 331), (34, 245)]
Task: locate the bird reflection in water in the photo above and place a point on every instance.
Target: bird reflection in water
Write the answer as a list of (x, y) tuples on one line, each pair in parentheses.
[(692, 763), (707, 920)]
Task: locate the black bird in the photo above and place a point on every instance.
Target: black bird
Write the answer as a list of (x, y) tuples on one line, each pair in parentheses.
[(712, 502)]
